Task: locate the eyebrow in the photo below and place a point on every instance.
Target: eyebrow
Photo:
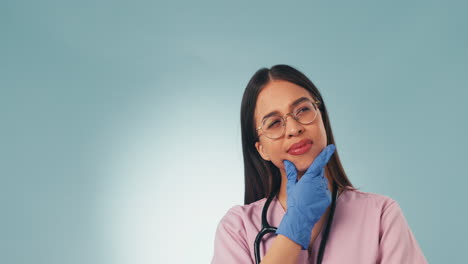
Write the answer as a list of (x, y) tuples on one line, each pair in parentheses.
[(298, 101)]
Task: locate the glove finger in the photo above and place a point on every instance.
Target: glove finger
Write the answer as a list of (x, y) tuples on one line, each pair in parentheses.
[(291, 173), (320, 161)]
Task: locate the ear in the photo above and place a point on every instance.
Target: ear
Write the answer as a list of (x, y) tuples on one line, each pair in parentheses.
[(261, 151)]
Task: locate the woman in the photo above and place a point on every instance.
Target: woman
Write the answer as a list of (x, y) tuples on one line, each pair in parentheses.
[(290, 157)]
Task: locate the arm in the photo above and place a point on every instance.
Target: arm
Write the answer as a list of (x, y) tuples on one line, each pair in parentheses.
[(397, 242), (282, 251)]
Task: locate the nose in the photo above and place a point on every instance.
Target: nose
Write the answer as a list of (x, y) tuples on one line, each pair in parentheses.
[(293, 127)]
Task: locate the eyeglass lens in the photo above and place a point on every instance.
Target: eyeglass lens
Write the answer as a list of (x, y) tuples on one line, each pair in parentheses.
[(305, 113)]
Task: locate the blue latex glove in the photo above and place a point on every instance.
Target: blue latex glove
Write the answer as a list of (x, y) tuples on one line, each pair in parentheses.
[(307, 199)]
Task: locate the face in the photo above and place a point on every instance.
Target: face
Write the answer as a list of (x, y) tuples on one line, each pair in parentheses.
[(278, 95)]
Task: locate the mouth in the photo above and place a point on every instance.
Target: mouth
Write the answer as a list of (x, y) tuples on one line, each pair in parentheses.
[(300, 147)]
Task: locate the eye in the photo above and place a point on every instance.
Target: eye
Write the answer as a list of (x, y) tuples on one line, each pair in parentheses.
[(303, 109), (273, 124)]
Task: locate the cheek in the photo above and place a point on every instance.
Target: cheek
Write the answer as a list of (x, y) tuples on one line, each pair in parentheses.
[(277, 155)]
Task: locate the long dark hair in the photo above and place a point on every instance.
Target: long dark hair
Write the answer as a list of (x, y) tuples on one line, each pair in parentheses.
[(263, 177)]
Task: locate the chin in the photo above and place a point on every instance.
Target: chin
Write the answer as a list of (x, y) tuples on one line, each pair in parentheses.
[(303, 163)]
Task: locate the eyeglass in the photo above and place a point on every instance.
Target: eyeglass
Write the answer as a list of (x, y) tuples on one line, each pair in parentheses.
[(274, 126)]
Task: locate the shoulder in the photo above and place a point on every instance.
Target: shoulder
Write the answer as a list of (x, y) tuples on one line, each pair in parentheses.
[(243, 213), (234, 234), (375, 201), (239, 223), (376, 210)]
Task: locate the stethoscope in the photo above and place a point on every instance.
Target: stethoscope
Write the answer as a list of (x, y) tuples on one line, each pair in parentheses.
[(266, 228)]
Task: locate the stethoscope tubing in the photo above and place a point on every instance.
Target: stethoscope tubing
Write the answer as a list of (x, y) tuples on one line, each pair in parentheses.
[(266, 228)]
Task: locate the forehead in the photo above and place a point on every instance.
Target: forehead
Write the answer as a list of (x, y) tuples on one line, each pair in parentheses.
[(278, 95)]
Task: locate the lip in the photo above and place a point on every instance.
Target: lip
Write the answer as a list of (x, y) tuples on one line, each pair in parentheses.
[(300, 147)]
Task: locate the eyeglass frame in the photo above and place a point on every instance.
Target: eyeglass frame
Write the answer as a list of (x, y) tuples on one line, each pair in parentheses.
[(316, 103)]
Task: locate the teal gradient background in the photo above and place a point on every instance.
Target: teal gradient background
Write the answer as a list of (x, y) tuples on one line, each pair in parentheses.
[(120, 129)]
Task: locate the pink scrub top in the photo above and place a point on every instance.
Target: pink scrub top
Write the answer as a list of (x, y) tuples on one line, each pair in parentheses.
[(366, 228)]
